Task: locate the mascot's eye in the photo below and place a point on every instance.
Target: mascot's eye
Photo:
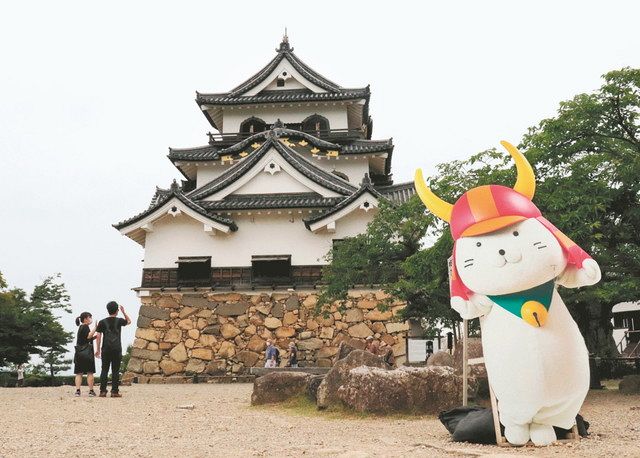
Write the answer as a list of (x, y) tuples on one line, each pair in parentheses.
[(478, 244), (516, 233)]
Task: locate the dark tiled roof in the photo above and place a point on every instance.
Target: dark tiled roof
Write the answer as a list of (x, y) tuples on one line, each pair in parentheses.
[(261, 201), (397, 193), (281, 132), (274, 138), (367, 146), (365, 187), (285, 52), (214, 152), (162, 196), (334, 91), (197, 153), (294, 95)]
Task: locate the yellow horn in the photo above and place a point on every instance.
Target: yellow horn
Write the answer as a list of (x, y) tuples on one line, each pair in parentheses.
[(435, 204), (526, 181)]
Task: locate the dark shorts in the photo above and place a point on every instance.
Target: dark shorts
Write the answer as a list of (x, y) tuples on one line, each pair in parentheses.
[(84, 367)]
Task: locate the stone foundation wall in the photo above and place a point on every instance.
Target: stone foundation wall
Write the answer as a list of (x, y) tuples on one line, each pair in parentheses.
[(217, 334)]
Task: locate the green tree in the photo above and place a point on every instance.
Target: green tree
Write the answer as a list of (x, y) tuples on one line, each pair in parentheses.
[(587, 162), (125, 359), (587, 159), (54, 361), (29, 324), (376, 256)]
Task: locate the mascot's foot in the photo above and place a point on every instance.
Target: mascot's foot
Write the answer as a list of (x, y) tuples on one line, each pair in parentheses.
[(517, 434), (542, 434)]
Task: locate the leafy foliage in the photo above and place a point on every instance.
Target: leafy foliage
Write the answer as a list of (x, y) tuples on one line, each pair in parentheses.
[(29, 324), (587, 163)]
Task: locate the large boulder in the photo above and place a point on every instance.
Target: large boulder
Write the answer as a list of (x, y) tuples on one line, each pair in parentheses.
[(278, 386), (474, 350), (630, 384), (347, 346), (328, 390), (312, 386), (425, 390), (440, 358)]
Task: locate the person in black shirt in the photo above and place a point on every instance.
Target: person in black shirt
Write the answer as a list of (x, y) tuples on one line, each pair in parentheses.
[(108, 331), (83, 359), (293, 355)]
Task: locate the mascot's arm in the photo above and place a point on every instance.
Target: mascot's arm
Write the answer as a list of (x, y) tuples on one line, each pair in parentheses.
[(476, 306), (575, 277)]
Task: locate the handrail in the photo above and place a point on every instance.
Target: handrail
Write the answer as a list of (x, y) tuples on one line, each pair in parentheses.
[(233, 136)]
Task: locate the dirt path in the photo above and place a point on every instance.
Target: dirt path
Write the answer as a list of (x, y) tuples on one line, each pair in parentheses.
[(40, 422)]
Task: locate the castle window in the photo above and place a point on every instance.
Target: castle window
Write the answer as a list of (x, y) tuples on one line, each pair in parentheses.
[(271, 269), (194, 270), (280, 82), (253, 125), (315, 124)]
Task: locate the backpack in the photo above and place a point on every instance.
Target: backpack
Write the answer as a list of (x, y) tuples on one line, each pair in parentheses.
[(277, 356), (111, 337)]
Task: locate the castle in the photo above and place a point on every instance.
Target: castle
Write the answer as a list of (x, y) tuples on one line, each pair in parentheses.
[(234, 253)]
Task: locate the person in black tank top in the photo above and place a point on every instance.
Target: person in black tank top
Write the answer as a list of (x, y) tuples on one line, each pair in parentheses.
[(108, 333), (83, 359)]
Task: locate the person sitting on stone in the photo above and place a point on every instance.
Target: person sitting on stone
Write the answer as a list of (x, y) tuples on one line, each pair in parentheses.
[(386, 353), (271, 355), (372, 346), (293, 355)]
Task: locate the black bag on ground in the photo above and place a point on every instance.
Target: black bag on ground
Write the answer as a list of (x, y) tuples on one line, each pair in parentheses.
[(470, 424), (475, 425)]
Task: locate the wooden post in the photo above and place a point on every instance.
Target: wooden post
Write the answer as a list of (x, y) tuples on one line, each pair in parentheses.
[(465, 363)]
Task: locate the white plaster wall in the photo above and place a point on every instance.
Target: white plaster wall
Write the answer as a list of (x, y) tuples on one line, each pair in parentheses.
[(206, 173), (273, 156), (354, 168), (173, 237), (289, 83), (257, 235), (284, 65), (265, 183), (336, 114)]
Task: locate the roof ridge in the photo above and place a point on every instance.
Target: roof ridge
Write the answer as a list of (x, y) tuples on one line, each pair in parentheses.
[(176, 192), (365, 186)]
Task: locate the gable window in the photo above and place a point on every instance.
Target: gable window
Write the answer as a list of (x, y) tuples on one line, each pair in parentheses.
[(280, 82), (315, 124), (253, 125), (194, 270), (271, 269)]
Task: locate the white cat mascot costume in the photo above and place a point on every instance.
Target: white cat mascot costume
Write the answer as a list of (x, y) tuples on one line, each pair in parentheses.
[(507, 260)]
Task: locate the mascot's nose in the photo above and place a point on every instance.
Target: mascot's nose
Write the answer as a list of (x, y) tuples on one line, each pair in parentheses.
[(501, 252)]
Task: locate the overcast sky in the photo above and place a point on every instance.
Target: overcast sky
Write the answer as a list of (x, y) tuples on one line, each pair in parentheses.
[(91, 98)]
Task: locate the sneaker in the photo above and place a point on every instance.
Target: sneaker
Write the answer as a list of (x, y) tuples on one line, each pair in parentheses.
[(77, 393), (92, 394), (115, 395), (103, 394)]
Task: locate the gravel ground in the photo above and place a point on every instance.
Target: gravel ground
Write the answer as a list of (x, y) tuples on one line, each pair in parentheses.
[(147, 421)]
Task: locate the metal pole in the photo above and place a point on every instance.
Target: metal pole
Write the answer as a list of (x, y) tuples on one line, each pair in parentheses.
[(465, 363)]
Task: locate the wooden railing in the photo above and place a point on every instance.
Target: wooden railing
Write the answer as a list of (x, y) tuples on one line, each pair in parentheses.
[(216, 137), (231, 277)]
